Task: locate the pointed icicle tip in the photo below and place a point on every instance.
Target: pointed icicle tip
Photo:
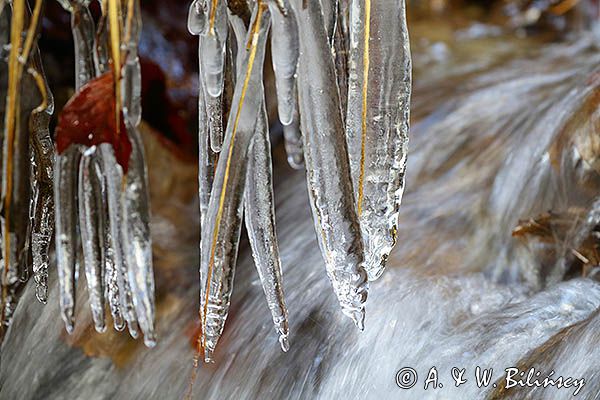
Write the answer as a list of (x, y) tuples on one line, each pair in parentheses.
[(284, 342), (150, 339), (69, 324), (208, 356), (119, 325), (358, 316), (134, 329), (100, 328)]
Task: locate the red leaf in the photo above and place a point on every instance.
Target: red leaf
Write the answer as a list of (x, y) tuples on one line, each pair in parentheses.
[(88, 119)]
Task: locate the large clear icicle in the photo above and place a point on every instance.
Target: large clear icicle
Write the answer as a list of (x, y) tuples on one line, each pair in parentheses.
[(377, 121), (260, 224), (92, 232), (284, 48), (42, 193), (259, 208), (223, 220), (114, 178), (136, 209), (330, 189), (137, 236), (111, 274), (206, 156), (65, 193)]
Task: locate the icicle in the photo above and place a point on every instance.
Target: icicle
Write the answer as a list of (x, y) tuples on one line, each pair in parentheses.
[(100, 50), (42, 194), (114, 178), (198, 17), (111, 274), (65, 193), (284, 49), (206, 156), (91, 227), (213, 48), (82, 26), (139, 278), (214, 111), (377, 121), (223, 220), (132, 73), (292, 136), (206, 159), (212, 63), (21, 101), (137, 237), (330, 189), (260, 224), (67, 164)]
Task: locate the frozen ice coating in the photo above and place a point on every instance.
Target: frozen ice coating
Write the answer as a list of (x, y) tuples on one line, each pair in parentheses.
[(41, 210), (137, 236), (25, 92), (285, 47), (340, 55), (224, 217), (212, 48), (91, 229), (330, 189), (379, 90), (259, 217)]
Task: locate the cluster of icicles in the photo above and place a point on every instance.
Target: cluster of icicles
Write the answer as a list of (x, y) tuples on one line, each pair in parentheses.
[(91, 190), (343, 77), (343, 80)]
